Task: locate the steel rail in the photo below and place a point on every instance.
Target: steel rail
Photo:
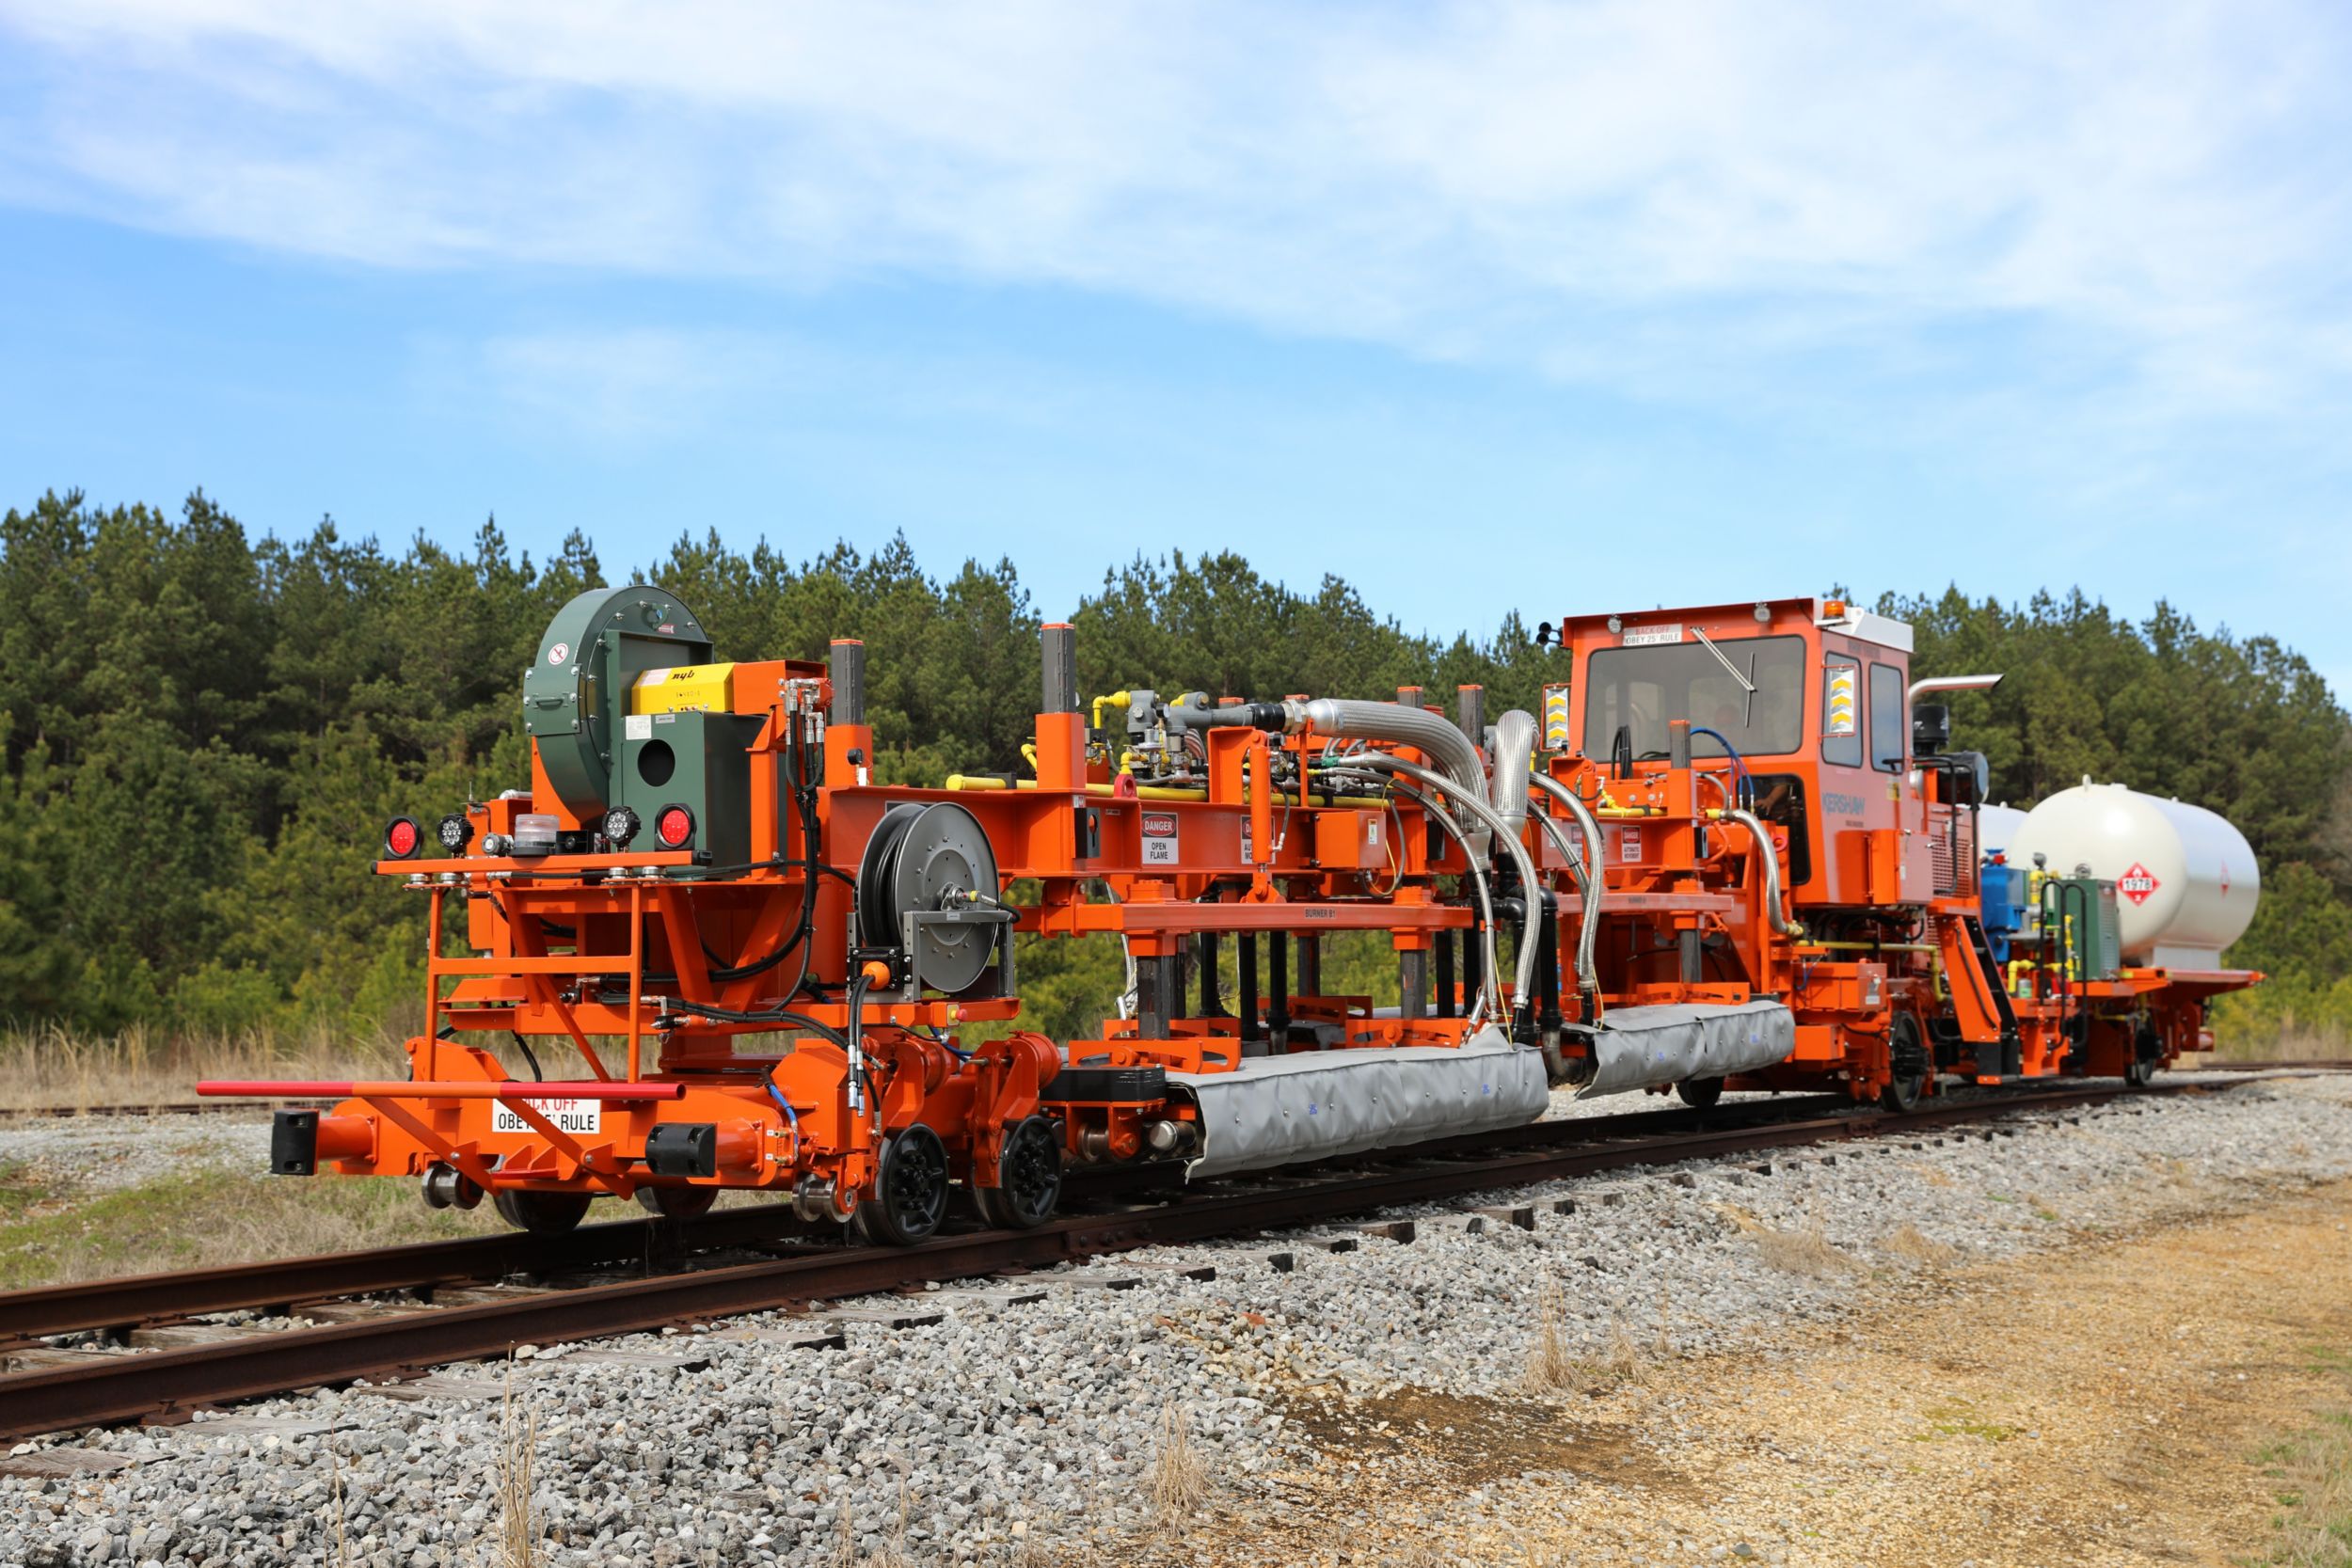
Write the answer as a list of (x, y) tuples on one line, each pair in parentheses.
[(152, 1108), (166, 1383), (276, 1285), (96, 1304)]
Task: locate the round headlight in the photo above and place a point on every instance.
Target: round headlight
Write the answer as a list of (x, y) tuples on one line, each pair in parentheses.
[(620, 826), (454, 832)]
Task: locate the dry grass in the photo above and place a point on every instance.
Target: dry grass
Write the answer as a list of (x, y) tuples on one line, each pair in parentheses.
[(894, 1552), (519, 1538), (1806, 1252), (57, 1236), (2315, 1476), (2292, 1041), (1550, 1367), (1907, 1242), (45, 1065), (1179, 1479), (335, 1496), (1550, 1370)]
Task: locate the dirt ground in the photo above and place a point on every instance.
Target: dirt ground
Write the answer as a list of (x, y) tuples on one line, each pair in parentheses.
[(2107, 1403)]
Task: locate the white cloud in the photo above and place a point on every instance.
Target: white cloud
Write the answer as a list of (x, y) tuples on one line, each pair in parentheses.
[(1677, 201)]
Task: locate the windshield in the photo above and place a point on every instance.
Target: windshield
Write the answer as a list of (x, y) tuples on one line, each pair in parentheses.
[(1643, 689)]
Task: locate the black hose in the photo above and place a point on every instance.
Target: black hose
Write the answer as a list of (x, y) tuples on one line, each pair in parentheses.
[(524, 1046)]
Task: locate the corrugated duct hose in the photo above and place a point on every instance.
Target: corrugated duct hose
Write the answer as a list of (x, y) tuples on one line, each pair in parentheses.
[(1523, 978)]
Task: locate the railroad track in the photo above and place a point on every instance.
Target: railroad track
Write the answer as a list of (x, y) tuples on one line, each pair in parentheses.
[(249, 1108), (163, 1108), (751, 1260)]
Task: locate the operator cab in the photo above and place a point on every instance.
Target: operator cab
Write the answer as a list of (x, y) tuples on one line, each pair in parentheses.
[(1801, 701)]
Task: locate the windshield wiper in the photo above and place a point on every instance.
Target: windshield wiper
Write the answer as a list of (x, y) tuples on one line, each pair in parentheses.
[(1724, 659)]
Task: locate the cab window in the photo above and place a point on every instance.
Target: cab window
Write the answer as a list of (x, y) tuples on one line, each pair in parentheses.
[(1748, 690), (1890, 732)]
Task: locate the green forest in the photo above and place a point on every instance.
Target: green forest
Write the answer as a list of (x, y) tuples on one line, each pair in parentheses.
[(204, 731)]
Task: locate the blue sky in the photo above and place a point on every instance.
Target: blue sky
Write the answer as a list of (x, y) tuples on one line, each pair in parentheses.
[(1489, 307)]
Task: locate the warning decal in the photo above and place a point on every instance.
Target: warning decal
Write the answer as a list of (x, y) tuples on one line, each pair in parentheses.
[(569, 1116), (2139, 884), (1159, 838)]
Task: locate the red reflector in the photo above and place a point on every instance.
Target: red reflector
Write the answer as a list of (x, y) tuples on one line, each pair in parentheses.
[(674, 827), (400, 838)]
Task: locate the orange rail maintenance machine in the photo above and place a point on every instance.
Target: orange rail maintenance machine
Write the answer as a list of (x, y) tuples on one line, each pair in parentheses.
[(702, 950)]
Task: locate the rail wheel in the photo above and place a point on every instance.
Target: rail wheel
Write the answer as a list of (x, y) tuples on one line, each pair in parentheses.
[(2147, 1050), (1907, 1061), (1029, 1178), (1700, 1093), (909, 1195), (676, 1203), (542, 1213)]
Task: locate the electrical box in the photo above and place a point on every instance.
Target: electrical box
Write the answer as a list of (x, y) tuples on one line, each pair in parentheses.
[(1354, 841), (701, 761), (2079, 914)]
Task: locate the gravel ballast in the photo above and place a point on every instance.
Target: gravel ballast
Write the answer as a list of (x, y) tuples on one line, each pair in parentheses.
[(99, 1154), (1030, 1431)]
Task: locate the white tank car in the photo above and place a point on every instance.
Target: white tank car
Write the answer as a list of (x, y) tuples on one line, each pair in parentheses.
[(2185, 882), (1996, 829)]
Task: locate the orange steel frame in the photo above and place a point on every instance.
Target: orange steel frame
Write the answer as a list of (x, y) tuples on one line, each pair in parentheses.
[(589, 950), (1872, 865), (560, 947)]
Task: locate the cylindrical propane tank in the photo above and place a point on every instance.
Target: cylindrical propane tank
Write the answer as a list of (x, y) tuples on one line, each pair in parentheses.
[(2185, 882), (1996, 829)]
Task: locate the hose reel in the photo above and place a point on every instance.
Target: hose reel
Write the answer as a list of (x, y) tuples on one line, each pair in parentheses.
[(927, 900)]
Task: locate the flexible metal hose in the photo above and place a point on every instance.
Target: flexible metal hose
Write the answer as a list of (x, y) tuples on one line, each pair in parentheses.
[(1399, 725), (1515, 750), (1595, 880), (1445, 820), (1587, 981), (1764, 852), (1475, 803)]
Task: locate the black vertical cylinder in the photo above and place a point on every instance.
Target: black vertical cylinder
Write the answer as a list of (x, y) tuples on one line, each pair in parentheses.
[(1252, 1028), (1469, 712), (1412, 984), (1211, 1004), (1060, 648), (1446, 993), (1158, 989), (1278, 999), (847, 665), (1310, 964), (1547, 969), (1473, 964)]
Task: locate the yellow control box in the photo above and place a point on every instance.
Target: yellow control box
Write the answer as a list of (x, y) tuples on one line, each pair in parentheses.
[(687, 689)]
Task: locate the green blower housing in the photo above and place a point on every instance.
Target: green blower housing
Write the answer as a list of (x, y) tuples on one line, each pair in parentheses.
[(598, 754)]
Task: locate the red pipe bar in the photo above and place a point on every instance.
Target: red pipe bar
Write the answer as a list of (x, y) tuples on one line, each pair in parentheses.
[(299, 1088)]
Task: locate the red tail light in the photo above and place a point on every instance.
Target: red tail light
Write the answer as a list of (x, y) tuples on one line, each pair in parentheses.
[(403, 838), (675, 827)]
